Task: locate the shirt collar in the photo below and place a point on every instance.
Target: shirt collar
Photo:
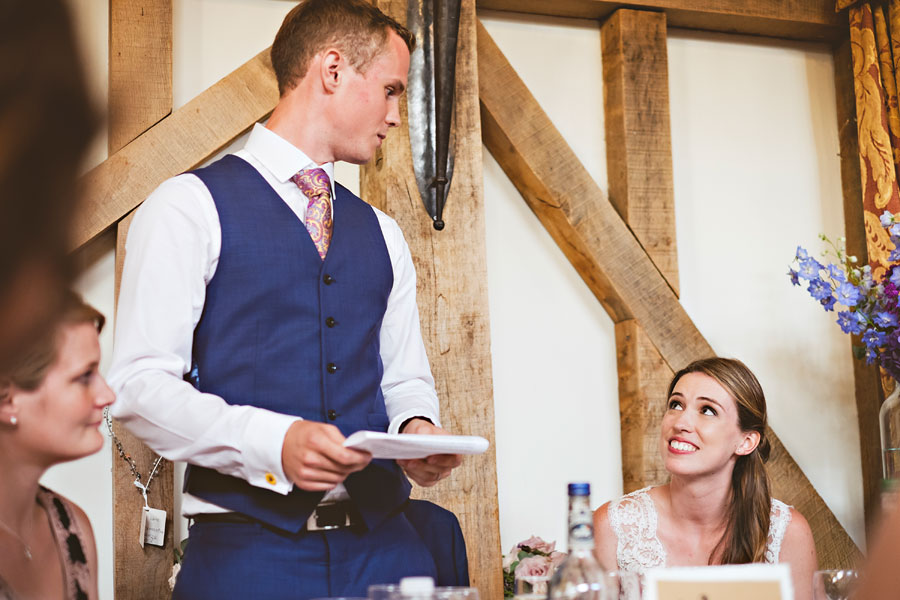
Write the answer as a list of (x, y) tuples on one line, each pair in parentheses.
[(280, 157)]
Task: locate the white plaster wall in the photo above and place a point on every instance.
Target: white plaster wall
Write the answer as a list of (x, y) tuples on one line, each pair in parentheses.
[(756, 173)]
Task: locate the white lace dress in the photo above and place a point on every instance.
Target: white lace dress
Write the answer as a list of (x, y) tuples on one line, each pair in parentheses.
[(633, 519)]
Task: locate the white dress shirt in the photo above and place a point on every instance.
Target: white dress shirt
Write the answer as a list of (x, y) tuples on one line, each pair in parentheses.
[(172, 251)]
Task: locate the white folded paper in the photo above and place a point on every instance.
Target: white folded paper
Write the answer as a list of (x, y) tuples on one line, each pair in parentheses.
[(412, 445)]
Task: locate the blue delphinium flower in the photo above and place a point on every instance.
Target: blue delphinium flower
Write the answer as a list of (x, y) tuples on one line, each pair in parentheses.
[(850, 322), (871, 355), (836, 273), (828, 303), (873, 338), (894, 230), (802, 254), (887, 219), (847, 294), (818, 289), (795, 277), (895, 276), (809, 268), (885, 319)]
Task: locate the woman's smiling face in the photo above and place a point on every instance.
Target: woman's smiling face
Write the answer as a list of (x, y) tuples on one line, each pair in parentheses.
[(60, 420), (700, 432)]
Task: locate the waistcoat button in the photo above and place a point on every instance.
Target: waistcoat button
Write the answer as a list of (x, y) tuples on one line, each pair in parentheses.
[(328, 279), (330, 322), (332, 414), (332, 368)]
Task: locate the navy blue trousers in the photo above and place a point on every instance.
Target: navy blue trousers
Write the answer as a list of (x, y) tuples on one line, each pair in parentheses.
[(250, 560)]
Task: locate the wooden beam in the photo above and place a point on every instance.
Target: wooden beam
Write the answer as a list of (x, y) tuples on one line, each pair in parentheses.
[(867, 380), (576, 213), (140, 67), (178, 143), (813, 20), (643, 381), (574, 210), (140, 95), (636, 113), (453, 303)]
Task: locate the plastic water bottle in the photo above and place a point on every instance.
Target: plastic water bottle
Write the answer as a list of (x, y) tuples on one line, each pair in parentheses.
[(580, 576)]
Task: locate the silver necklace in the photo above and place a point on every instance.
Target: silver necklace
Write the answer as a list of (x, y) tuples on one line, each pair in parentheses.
[(127, 457), (18, 537)]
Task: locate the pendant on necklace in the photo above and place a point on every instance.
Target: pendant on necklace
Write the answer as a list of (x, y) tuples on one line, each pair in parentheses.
[(27, 552)]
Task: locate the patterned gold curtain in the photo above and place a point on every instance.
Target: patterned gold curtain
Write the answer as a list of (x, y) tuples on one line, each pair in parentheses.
[(875, 44)]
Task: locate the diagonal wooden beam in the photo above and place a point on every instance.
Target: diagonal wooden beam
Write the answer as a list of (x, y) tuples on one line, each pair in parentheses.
[(813, 20), (140, 95), (176, 144), (584, 223)]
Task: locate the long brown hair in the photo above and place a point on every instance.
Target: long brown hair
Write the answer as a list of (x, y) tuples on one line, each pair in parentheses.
[(744, 540), (357, 27)]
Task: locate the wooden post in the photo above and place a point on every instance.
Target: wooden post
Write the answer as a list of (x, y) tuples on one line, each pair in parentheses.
[(584, 223), (643, 379), (639, 163), (453, 303), (867, 380), (140, 95), (636, 114)]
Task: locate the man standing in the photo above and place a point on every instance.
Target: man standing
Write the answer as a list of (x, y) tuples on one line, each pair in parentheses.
[(266, 313)]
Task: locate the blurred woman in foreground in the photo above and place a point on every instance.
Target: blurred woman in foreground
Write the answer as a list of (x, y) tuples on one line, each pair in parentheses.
[(51, 405)]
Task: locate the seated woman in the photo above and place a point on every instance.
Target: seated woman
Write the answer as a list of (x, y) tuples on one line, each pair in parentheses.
[(716, 508), (51, 405)]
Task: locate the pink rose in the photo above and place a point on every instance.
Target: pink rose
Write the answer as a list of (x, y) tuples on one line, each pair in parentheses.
[(539, 544), (510, 558), (556, 559), (534, 566)]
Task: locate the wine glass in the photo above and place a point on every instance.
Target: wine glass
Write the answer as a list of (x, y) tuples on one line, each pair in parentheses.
[(532, 587), (384, 591), (834, 584), (455, 593), (624, 585)]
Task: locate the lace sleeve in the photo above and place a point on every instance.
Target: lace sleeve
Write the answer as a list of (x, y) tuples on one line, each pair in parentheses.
[(779, 519), (633, 520)]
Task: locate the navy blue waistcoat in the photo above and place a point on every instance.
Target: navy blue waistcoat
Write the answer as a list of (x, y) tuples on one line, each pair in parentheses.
[(283, 330)]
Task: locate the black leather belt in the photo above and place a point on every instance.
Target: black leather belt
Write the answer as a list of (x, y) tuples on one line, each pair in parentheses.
[(334, 515)]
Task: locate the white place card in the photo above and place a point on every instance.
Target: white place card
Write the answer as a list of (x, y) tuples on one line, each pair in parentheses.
[(727, 582)]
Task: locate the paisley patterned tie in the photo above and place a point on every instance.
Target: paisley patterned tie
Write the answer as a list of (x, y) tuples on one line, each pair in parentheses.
[(315, 185)]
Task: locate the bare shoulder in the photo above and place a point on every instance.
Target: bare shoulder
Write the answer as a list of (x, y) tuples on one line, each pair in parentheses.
[(798, 533), (799, 550), (605, 540)]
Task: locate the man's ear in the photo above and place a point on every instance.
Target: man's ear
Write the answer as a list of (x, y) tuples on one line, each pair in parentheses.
[(331, 67), (748, 444)]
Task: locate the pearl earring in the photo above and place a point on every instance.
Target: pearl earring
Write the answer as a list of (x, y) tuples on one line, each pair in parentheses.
[(13, 421)]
